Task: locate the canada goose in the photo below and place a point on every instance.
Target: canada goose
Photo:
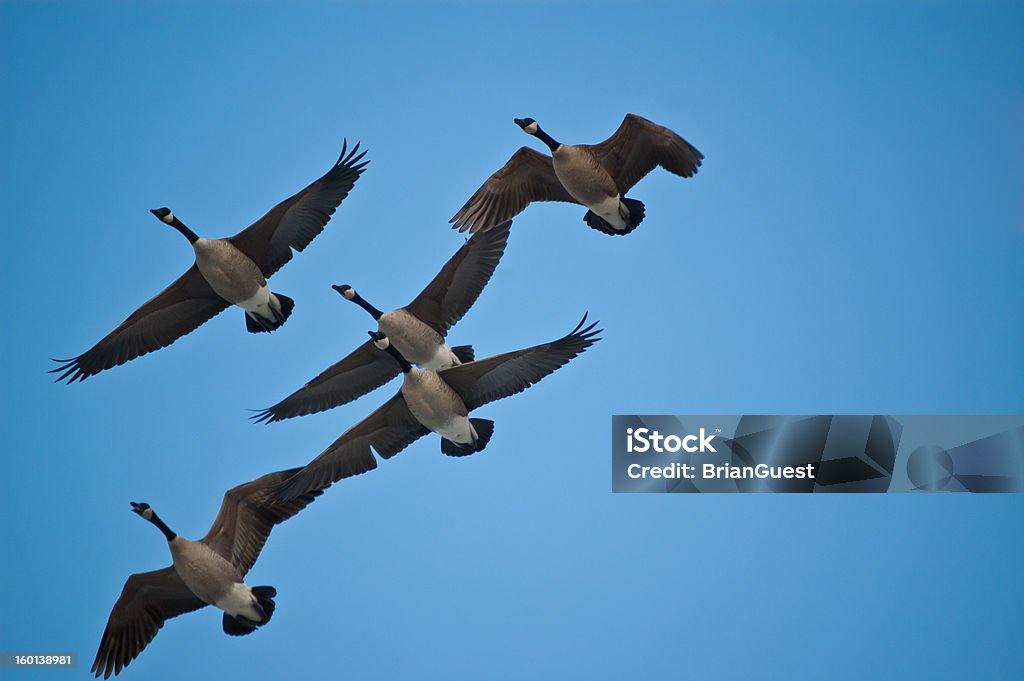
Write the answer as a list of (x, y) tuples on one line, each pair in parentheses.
[(594, 175), (226, 271), (417, 330), (210, 571), (440, 402)]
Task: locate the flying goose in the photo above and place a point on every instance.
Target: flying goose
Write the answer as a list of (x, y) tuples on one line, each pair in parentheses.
[(231, 271), (594, 175), (210, 571), (417, 330), (439, 402)]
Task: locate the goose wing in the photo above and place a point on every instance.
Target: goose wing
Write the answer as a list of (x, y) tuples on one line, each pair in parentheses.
[(296, 221), (500, 376), (638, 146), (457, 286), (174, 312), (528, 176), (147, 601), (247, 515), (364, 369), (388, 430)]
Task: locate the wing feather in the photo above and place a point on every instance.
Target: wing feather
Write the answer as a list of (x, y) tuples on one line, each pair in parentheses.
[(296, 221), (146, 602), (179, 309), (500, 376), (459, 283), (527, 177), (388, 430), (639, 146), (364, 369), (248, 514)]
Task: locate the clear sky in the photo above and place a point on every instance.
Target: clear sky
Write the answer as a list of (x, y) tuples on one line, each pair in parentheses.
[(853, 244)]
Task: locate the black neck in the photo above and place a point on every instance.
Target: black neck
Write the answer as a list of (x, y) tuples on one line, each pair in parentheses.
[(374, 312), (163, 528), (188, 233), (547, 139), (402, 361)]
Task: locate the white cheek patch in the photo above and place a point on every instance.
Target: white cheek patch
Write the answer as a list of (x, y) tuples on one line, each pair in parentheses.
[(349, 293), (169, 218), (531, 128)]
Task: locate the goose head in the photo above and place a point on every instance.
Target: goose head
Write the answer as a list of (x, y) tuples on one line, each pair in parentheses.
[(146, 512), (166, 216), (163, 214), (380, 340), (349, 293), (346, 291), (528, 125), (143, 510)]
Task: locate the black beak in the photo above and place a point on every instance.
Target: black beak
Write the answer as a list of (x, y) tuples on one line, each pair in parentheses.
[(520, 122)]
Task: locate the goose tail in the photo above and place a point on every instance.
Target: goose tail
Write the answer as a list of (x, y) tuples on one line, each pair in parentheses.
[(632, 212), (238, 625), (254, 323), (483, 428)]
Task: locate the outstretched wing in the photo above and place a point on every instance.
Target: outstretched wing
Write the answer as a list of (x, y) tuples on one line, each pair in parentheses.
[(388, 431), (638, 146), (296, 221), (457, 286), (487, 380), (528, 176), (364, 369), (247, 515), (174, 312), (147, 601)]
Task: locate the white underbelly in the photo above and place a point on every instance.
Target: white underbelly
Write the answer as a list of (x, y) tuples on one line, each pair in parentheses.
[(239, 601), (443, 359), (609, 210), (459, 430), (259, 303)]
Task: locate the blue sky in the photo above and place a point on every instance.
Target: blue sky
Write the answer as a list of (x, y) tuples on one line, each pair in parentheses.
[(852, 244)]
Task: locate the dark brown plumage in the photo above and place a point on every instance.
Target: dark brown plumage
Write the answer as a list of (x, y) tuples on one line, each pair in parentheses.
[(190, 301), (247, 515), (635, 149), (392, 427), (440, 305)]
